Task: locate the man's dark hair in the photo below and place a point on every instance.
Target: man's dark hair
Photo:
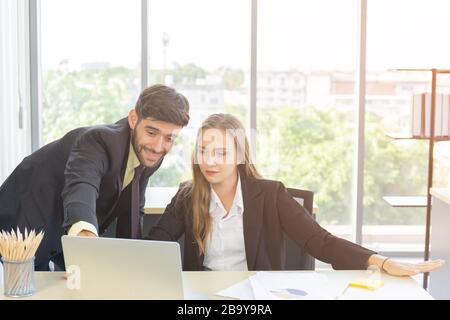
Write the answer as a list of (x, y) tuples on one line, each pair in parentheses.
[(163, 103)]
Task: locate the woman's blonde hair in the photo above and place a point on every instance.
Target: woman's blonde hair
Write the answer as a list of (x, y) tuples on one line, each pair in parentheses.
[(200, 188)]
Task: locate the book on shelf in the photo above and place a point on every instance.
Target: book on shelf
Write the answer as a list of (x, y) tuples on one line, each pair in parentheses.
[(438, 116), (426, 99), (421, 115), (416, 116), (446, 114)]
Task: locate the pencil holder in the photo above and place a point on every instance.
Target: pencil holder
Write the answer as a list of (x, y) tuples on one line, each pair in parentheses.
[(18, 278)]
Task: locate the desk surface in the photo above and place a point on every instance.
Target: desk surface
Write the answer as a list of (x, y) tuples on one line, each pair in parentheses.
[(204, 285), (156, 199)]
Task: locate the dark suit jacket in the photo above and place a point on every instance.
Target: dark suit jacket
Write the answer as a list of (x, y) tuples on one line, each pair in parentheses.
[(78, 177), (268, 211)]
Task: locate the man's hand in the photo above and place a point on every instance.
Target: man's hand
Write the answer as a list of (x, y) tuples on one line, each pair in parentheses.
[(86, 233)]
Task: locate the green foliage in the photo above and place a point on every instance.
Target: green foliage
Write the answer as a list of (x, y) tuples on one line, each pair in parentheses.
[(239, 111), (187, 73), (233, 79), (86, 97), (308, 149), (313, 149), (392, 168)]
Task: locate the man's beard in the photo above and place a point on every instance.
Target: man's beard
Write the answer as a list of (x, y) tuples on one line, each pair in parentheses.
[(138, 150)]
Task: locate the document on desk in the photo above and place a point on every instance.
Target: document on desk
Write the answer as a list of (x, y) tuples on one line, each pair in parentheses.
[(241, 290), (266, 285), (290, 286)]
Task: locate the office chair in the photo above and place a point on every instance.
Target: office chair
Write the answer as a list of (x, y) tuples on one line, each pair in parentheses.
[(295, 257)]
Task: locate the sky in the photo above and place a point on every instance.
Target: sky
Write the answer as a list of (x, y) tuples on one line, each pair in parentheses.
[(292, 34)]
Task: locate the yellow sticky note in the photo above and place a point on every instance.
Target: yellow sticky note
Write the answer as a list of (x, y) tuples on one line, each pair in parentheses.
[(366, 283)]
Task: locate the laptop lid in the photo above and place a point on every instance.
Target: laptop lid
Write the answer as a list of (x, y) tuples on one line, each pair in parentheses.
[(111, 268)]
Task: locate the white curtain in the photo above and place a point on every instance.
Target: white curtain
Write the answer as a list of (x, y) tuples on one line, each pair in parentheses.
[(14, 85)]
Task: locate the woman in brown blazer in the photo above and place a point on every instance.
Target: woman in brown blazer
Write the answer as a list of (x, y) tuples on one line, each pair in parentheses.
[(233, 219)]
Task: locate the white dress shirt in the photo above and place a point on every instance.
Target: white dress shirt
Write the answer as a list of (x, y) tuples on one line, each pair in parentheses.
[(225, 250)]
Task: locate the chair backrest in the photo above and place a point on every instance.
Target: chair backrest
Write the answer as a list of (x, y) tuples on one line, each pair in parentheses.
[(295, 257)]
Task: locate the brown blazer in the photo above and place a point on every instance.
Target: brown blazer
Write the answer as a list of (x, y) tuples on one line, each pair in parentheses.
[(268, 211)]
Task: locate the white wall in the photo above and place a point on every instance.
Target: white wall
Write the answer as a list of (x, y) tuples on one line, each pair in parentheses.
[(14, 85)]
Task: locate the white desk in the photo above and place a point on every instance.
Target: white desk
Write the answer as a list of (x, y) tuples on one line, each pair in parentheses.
[(156, 199), (439, 242), (204, 285)]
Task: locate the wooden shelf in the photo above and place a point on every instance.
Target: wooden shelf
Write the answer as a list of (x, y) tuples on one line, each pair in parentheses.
[(406, 201), (399, 136), (423, 69), (422, 201)]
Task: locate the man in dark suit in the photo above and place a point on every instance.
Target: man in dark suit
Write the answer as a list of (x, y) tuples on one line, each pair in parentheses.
[(93, 177)]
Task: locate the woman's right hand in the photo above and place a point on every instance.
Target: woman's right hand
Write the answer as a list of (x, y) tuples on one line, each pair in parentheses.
[(397, 268)]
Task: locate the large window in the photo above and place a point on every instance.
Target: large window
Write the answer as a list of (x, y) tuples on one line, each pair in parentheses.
[(202, 48), (90, 62), (401, 34), (306, 61), (306, 64)]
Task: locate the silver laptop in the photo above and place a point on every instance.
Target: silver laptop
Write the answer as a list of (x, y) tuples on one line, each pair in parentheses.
[(109, 268)]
